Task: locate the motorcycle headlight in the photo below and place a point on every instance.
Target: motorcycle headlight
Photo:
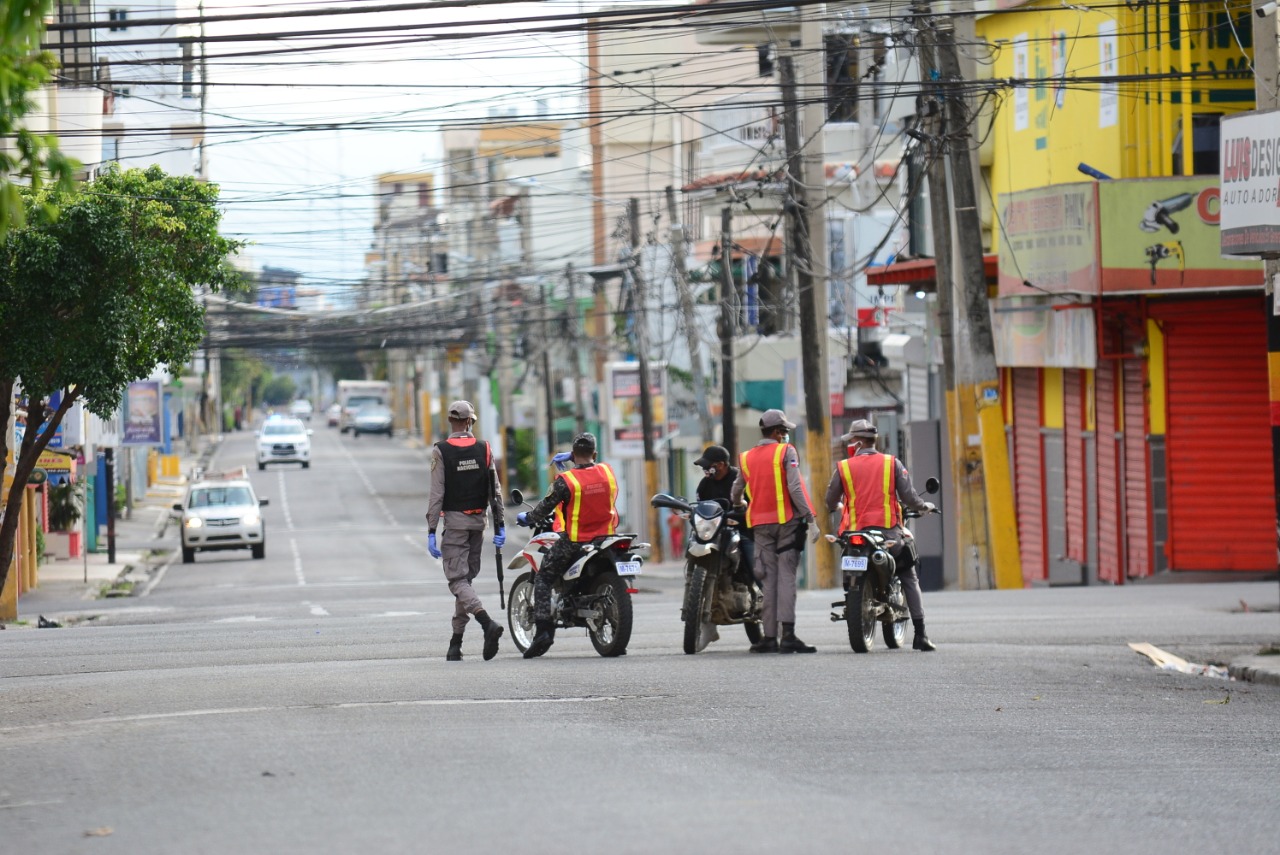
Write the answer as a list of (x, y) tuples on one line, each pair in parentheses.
[(193, 522), (251, 518), (706, 528)]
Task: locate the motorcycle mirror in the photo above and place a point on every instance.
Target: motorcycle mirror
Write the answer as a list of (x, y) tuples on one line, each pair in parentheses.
[(517, 498), (931, 486)]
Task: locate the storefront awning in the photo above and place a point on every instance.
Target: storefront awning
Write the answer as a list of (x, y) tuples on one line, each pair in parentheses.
[(921, 273)]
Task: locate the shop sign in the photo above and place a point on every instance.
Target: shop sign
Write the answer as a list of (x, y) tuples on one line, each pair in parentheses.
[(627, 433), (1250, 191), (1049, 238)]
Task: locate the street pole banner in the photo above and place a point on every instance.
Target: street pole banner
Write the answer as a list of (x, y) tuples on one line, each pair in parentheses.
[(626, 431), (142, 417), (1250, 175)]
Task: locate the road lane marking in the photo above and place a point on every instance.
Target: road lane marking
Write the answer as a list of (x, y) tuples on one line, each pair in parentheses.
[(243, 619), (297, 563), (351, 705), (398, 614), (155, 580), (318, 611), (368, 485), (418, 545), (284, 500)]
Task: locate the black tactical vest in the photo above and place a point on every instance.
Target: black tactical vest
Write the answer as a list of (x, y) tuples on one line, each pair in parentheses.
[(467, 483)]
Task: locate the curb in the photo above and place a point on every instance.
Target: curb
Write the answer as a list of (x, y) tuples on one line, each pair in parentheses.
[(1256, 669)]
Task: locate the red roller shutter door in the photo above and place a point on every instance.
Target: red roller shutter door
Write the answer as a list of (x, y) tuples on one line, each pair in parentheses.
[(1109, 475), (1028, 462), (1221, 485), (1077, 541), (1137, 488)]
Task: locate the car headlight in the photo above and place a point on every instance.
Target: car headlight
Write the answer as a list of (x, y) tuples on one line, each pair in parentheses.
[(193, 522), (706, 528), (251, 518)]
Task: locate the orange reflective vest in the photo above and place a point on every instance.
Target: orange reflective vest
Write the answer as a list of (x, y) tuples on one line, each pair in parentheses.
[(870, 492), (763, 470), (590, 510)]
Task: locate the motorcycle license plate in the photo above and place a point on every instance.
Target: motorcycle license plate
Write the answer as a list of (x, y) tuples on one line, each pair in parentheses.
[(853, 562), (628, 568)]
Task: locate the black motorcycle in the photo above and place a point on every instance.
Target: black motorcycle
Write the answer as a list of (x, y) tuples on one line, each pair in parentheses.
[(718, 587), (873, 590), (595, 592)]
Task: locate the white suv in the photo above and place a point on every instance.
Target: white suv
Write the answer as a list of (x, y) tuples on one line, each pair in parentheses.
[(284, 440), (221, 514)]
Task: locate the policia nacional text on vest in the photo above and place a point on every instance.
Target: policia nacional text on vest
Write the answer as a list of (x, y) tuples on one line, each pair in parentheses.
[(466, 474)]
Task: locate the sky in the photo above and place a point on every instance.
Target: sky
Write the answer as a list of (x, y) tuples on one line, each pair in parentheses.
[(304, 198)]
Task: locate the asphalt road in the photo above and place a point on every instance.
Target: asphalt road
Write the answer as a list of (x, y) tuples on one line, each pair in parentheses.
[(302, 704)]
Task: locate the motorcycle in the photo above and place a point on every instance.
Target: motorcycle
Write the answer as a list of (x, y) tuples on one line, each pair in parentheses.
[(873, 590), (718, 587), (595, 592)]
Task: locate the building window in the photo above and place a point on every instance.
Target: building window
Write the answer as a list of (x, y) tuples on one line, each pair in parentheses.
[(188, 71), (424, 195), (121, 91), (119, 19)]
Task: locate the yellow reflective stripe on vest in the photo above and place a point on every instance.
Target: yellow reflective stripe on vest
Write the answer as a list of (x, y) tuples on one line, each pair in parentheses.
[(576, 488), (888, 494), (783, 496), (613, 495), (746, 484), (850, 509)]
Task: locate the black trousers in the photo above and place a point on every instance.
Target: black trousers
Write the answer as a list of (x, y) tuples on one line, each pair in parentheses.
[(560, 557)]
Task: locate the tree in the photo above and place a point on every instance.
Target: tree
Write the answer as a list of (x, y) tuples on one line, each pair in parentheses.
[(279, 390), (99, 297), (24, 68)]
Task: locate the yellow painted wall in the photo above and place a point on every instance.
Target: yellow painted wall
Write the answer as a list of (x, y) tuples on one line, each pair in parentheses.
[(1041, 134), (1054, 402)]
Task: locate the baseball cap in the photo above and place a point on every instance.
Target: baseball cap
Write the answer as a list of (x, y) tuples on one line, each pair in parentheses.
[(584, 442), (775, 418), (462, 410), (861, 429), (712, 455)]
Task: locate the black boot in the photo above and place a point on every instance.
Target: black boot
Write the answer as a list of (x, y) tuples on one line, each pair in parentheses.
[(791, 644), (768, 644), (455, 648), (921, 641), (542, 640), (492, 632)]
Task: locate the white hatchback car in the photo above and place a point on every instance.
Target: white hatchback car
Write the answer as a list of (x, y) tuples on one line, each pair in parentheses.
[(221, 514), (284, 440)]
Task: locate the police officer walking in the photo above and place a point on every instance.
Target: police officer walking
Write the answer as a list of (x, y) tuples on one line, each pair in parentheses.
[(586, 494), (779, 515), (464, 480), (873, 488)]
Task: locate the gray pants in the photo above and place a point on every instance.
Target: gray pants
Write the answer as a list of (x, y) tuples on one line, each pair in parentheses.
[(777, 572), (905, 558), (460, 551)]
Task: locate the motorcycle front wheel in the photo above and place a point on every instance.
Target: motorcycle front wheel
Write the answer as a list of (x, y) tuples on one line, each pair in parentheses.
[(520, 611), (895, 632), (859, 610), (694, 607), (610, 635)]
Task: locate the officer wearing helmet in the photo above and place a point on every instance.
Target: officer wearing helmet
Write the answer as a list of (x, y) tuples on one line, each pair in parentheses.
[(870, 489), (586, 494), (464, 481)]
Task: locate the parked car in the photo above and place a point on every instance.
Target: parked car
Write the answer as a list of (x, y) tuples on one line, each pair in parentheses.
[(372, 418), (334, 414), (284, 440), (301, 409), (221, 513), (352, 408)]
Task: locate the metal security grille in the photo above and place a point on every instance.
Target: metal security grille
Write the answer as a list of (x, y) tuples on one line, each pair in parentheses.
[(1028, 462)]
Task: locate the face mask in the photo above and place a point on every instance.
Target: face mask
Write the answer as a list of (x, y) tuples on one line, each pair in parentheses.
[(786, 437)]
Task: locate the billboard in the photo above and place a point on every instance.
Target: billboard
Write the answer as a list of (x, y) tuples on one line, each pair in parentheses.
[(1162, 235), (626, 436), (143, 420), (1049, 237), (1250, 174)]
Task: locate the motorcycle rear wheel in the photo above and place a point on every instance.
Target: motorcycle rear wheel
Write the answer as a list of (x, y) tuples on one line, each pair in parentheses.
[(858, 606), (611, 635), (520, 611), (895, 632), (694, 607)]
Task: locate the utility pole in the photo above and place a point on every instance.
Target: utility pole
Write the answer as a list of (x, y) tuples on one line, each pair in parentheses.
[(692, 340), (580, 412), (812, 294), (728, 329), (984, 504), (636, 270), (546, 373)]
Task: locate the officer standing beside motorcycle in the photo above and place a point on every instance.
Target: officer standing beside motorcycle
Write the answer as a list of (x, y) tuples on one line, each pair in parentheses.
[(779, 515), (464, 480), (874, 488), (586, 494)]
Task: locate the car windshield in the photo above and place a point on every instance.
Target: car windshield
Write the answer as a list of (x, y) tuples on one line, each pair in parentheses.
[(212, 497), (282, 428), (357, 403), (374, 411)]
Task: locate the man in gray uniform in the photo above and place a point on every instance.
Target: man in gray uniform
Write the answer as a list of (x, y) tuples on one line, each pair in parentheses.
[(861, 440), (780, 521), (464, 480)]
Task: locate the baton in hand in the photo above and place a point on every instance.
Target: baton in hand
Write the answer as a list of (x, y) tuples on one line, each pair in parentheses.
[(502, 594)]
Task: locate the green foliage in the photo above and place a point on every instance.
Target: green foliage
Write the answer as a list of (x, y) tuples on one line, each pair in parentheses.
[(40, 546), (103, 294), (31, 157), (279, 390), (64, 505), (241, 374)]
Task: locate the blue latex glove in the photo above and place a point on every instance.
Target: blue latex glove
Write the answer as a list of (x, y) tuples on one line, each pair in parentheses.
[(500, 537), (523, 518), (432, 547), (563, 460)]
